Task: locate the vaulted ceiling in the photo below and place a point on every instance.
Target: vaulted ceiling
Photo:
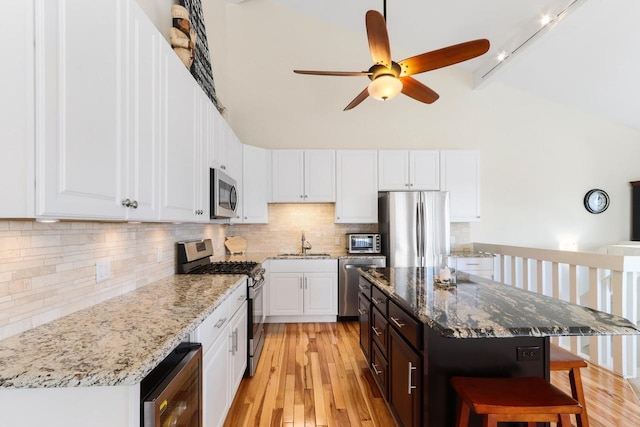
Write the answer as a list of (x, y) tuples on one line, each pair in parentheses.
[(588, 58)]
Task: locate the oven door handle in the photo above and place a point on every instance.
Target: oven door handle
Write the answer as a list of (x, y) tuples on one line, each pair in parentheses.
[(254, 289)]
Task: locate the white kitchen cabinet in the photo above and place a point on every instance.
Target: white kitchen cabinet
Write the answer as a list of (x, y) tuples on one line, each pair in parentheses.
[(17, 107), (303, 290), (480, 266), (227, 148), (460, 176), (80, 109), (303, 176), (356, 186), (223, 335), (142, 98), (256, 186), (402, 170), (320, 294)]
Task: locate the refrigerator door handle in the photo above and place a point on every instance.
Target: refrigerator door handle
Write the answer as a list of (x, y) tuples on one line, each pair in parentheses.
[(418, 228), (421, 226)]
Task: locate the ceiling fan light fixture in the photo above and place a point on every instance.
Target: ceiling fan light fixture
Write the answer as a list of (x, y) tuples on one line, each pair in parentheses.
[(384, 87)]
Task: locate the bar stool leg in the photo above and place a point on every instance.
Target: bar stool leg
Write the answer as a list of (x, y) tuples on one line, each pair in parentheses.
[(463, 414), (582, 420), (490, 420), (565, 420)]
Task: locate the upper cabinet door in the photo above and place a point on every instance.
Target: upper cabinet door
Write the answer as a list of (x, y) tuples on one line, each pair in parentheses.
[(256, 185), (142, 94), (79, 102), (424, 170), (287, 170), (180, 146), (393, 170), (356, 186), (460, 175), (319, 176), (402, 170)]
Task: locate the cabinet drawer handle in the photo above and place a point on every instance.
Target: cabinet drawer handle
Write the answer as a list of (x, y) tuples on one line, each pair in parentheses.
[(363, 289), (376, 301), (411, 369), (220, 322), (375, 369), (362, 312), (241, 298), (472, 263), (376, 331), (397, 322), (301, 283)]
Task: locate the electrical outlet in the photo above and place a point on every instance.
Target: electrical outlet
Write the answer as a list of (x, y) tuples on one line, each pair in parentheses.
[(159, 255), (338, 241), (103, 270), (528, 353)]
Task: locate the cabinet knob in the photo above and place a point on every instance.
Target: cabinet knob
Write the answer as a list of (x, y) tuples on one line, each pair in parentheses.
[(245, 217), (126, 203), (301, 196), (410, 185), (223, 167), (134, 204)]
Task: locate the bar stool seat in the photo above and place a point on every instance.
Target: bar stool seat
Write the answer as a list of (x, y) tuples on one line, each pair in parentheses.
[(563, 360), (526, 399)]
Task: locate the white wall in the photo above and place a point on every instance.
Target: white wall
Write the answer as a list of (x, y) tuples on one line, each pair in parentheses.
[(538, 158)]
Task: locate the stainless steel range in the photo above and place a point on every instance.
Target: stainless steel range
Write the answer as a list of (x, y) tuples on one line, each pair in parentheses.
[(194, 257)]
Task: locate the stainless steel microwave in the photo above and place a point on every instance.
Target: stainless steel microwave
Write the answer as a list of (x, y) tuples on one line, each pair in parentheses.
[(223, 195), (361, 243)]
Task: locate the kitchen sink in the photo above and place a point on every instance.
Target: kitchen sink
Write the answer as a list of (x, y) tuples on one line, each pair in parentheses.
[(308, 254)]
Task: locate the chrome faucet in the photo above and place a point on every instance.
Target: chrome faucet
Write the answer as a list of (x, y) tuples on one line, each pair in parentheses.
[(305, 244)]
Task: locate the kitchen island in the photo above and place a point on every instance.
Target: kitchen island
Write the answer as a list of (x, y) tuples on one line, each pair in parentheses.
[(416, 335)]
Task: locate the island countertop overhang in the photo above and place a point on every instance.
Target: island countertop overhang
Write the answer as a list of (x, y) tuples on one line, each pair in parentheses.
[(481, 308)]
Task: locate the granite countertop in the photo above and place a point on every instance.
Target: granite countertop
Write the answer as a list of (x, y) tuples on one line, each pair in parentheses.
[(480, 308), (117, 342)]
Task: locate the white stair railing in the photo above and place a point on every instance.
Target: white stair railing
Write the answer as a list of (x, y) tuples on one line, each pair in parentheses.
[(603, 282)]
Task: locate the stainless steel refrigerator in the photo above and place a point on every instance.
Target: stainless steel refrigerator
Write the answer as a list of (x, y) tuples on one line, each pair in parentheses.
[(414, 227)]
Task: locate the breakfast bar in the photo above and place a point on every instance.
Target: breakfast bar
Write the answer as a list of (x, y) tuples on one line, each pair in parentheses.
[(417, 334)]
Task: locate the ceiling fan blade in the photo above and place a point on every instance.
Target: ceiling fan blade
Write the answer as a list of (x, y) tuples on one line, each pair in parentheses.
[(416, 90), (334, 73), (443, 57), (358, 99), (378, 38)]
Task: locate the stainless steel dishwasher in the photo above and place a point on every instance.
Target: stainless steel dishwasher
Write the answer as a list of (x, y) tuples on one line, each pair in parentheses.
[(348, 283)]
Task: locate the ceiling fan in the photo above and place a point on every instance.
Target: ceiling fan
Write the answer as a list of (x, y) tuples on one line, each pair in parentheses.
[(388, 78)]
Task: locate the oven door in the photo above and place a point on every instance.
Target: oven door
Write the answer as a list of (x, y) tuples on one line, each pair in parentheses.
[(256, 324), (176, 400)]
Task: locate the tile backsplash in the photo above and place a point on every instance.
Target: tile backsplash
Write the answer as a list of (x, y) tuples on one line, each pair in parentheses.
[(287, 221), (49, 270)]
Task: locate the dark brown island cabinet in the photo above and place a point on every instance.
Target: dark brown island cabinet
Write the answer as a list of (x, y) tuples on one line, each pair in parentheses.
[(412, 364)]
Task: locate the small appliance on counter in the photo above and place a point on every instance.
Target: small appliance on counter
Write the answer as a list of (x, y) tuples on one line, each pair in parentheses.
[(362, 243), (194, 257)]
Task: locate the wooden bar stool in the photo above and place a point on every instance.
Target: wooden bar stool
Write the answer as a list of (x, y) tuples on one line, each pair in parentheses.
[(526, 399), (563, 360)]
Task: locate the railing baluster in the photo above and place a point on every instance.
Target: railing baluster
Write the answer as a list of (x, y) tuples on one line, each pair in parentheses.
[(574, 294), (525, 274), (513, 271), (539, 277)]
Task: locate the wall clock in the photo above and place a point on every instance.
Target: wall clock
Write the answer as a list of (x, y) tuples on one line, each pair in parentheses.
[(596, 201)]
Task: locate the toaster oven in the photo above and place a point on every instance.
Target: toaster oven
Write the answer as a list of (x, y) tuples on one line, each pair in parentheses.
[(363, 243)]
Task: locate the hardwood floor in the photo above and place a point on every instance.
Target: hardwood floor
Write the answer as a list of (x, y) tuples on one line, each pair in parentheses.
[(314, 374)]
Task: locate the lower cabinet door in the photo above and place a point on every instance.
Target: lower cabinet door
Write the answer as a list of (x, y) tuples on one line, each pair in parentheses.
[(215, 382), (405, 378), (379, 368), (365, 325)]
